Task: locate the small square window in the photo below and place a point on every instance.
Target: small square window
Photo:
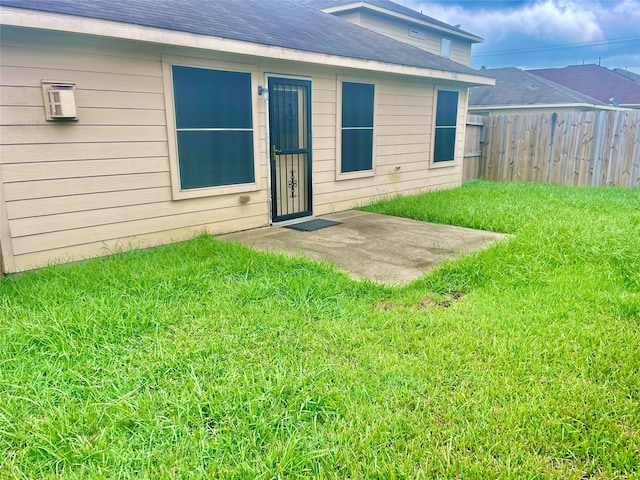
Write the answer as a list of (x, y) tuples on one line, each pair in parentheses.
[(445, 48)]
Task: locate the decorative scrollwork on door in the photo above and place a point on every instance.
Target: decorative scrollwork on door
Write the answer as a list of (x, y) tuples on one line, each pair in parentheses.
[(293, 183)]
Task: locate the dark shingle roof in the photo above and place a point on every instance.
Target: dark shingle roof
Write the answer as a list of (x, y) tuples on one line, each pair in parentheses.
[(595, 81), (517, 87), (282, 23), (387, 5)]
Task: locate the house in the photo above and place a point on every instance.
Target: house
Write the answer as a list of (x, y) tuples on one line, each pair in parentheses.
[(133, 123), (597, 82), (518, 91), (627, 74), (403, 24)]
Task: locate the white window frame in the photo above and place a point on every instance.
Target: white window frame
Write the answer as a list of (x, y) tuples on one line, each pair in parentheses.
[(172, 135), (361, 173), (459, 129)]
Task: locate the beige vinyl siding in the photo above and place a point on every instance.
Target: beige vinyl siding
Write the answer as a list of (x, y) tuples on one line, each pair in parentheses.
[(324, 98), (350, 16), (159, 235), (461, 52), (86, 188), (399, 30)]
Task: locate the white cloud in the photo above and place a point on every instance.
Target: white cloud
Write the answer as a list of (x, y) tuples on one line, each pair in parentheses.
[(519, 26), (558, 22), (620, 19)]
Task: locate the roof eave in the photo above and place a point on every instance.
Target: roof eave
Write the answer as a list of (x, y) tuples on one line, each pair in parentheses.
[(104, 28), (451, 31)]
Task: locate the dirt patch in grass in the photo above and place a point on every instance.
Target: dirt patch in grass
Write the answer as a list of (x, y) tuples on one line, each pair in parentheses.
[(426, 302)]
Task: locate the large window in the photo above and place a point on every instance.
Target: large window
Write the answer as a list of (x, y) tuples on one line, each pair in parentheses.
[(214, 127), (445, 131), (357, 127)]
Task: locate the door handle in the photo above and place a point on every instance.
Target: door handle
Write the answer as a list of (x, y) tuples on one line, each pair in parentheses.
[(274, 151)]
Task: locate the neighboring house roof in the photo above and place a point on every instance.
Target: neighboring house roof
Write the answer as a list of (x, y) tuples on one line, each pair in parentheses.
[(627, 74), (516, 88), (596, 81), (280, 23), (389, 7)]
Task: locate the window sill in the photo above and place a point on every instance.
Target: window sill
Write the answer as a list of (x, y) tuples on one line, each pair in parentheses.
[(214, 191), (354, 175), (444, 164)]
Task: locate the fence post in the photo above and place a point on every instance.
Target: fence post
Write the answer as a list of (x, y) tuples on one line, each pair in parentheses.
[(597, 158), (614, 149), (634, 179), (552, 141)]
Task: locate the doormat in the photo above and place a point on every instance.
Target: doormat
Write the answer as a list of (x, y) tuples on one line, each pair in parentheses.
[(311, 225)]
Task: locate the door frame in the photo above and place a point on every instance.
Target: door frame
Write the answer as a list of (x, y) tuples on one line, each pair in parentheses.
[(270, 172)]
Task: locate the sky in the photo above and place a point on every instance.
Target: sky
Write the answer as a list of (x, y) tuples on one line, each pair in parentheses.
[(545, 33)]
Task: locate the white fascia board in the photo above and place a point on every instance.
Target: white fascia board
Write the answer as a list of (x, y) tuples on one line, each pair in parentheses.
[(406, 18), (104, 28), (544, 105)]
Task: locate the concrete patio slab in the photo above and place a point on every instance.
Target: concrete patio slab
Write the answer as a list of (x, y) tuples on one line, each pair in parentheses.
[(386, 249)]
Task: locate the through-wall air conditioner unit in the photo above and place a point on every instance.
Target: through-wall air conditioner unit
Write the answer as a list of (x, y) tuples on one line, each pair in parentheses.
[(59, 100)]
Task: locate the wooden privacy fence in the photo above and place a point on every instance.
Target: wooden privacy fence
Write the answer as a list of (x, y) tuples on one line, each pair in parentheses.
[(572, 148), (473, 142)]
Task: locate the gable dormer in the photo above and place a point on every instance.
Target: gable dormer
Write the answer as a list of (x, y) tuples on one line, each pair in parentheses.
[(404, 24)]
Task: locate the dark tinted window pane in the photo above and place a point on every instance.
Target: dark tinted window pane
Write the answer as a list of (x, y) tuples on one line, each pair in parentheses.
[(357, 152), (357, 104), (211, 98), (215, 158), (445, 144), (285, 109), (447, 108)]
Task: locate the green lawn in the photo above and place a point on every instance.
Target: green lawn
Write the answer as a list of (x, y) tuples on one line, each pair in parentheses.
[(206, 359)]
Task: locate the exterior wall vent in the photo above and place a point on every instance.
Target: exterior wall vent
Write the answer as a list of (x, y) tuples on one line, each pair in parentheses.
[(59, 100), (415, 32)]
